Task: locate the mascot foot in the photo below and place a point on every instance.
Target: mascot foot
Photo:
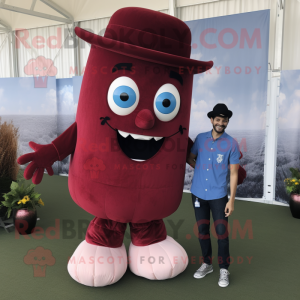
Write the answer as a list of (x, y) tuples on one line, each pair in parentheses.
[(158, 261), (96, 266)]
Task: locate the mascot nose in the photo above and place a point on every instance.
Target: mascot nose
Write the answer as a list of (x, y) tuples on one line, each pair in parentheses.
[(145, 119)]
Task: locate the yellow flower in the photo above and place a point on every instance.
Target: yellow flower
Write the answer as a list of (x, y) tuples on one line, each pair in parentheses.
[(293, 180), (26, 198), (41, 202), (296, 182), (23, 200)]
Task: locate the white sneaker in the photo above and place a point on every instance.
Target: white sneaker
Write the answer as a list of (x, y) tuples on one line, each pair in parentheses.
[(203, 270), (224, 278)]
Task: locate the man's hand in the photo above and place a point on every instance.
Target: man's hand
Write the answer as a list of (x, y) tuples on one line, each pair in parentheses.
[(191, 160), (229, 208)]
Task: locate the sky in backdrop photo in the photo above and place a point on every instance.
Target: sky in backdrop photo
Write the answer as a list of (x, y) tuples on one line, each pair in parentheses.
[(65, 114), (32, 109)]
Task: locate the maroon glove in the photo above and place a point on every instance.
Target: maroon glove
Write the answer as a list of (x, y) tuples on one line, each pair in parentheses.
[(242, 172), (43, 157)]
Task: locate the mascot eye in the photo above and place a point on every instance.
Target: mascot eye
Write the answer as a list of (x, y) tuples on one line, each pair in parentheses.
[(123, 96), (167, 102)]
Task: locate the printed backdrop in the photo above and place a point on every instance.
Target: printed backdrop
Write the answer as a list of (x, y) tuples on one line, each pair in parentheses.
[(238, 46), (288, 137), (32, 106), (43, 107)]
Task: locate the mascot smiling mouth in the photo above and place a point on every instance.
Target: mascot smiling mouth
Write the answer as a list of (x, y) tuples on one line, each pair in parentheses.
[(138, 147)]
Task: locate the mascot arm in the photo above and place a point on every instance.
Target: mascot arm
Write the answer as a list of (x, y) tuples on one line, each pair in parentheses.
[(44, 156), (65, 143), (241, 174)]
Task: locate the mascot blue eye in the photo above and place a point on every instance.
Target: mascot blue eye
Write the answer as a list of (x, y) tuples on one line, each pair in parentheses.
[(124, 96), (165, 102)]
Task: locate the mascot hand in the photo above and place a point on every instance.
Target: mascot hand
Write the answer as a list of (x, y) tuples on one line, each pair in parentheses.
[(43, 157)]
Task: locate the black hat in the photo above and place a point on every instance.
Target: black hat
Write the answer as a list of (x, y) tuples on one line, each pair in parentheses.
[(220, 110)]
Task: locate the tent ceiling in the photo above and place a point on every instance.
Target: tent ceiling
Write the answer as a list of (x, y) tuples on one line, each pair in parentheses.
[(80, 10)]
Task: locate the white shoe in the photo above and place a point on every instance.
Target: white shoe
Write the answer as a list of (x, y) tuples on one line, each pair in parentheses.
[(158, 261), (97, 266), (203, 270), (224, 278)]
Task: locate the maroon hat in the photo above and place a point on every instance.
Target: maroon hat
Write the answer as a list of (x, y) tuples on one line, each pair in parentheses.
[(148, 35)]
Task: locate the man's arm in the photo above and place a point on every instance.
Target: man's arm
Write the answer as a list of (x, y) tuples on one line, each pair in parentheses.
[(191, 149), (234, 161), (233, 185), (191, 160), (233, 180)]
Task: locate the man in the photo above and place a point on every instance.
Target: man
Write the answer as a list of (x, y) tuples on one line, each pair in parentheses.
[(217, 157)]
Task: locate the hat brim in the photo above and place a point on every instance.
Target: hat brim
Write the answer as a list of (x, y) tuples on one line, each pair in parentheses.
[(185, 64), (211, 114)]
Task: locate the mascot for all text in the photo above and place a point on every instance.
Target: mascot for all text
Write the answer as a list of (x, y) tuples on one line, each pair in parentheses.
[(128, 146)]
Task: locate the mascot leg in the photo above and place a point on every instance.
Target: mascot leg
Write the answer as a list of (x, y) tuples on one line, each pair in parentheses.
[(153, 254), (101, 259)]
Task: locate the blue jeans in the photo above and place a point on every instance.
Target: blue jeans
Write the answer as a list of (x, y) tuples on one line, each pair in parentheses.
[(202, 213)]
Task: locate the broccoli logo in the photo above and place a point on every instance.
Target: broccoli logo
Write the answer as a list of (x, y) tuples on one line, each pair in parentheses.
[(94, 165), (39, 68), (39, 258)]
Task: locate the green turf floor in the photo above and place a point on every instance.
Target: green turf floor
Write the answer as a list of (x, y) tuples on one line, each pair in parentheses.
[(271, 242)]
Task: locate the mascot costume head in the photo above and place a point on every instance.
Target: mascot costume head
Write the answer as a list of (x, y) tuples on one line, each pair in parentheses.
[(128, 145)]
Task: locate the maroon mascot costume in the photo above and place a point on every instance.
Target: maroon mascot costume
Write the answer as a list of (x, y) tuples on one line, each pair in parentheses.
[(128, 146)]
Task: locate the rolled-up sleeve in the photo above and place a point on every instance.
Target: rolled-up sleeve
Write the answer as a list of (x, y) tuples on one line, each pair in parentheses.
[(234, 157), (194, 148)]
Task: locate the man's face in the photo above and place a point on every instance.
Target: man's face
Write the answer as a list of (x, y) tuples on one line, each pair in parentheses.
[(219, 123)]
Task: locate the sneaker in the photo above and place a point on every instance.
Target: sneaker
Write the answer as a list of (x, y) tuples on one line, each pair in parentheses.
[(203, 270), (224, 278)]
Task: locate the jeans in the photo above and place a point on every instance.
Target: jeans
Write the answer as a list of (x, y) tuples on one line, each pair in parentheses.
[(202, 213)]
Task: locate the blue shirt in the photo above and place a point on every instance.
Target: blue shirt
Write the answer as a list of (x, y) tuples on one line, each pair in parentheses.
[(212, 165)]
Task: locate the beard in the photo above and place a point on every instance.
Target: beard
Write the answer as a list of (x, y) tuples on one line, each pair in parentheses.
[(219, 131)]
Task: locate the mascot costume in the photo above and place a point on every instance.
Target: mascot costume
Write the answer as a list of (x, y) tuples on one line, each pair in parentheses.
[(128, 146)]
